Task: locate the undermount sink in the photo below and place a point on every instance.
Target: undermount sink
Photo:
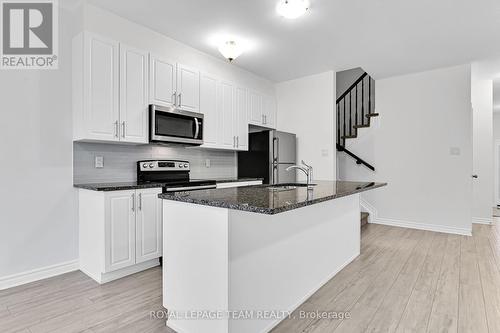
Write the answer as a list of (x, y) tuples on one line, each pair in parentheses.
[(287, 186)]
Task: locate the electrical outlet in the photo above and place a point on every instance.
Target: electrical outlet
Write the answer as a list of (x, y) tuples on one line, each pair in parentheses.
[(324, 152), (207, 163), (99, 162)]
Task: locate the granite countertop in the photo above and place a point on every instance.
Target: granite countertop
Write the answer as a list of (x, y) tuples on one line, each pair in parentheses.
[(122, 186), (261, 199)]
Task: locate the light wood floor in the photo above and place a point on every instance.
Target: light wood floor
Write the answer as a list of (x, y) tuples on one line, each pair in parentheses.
[(403, 281)]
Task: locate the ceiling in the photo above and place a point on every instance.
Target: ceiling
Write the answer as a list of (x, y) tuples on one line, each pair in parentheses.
[(385, 37)]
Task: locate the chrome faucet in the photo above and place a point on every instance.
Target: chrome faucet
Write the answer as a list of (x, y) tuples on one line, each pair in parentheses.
[(306, 169)]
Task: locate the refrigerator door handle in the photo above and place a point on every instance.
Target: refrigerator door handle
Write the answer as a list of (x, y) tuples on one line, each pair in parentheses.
[(276, 151), (276, 174)]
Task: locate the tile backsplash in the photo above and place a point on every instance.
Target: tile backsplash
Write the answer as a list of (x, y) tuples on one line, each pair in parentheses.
[(120, 161)]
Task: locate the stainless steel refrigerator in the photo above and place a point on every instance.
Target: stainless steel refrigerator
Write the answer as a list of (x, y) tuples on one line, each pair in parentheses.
[(269, 154)]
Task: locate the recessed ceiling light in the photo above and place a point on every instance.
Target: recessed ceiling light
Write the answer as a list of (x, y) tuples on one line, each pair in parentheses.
[(292, 9), (230, 49)]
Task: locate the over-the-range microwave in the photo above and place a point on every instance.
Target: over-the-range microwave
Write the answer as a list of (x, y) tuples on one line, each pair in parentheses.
[(171, 125)]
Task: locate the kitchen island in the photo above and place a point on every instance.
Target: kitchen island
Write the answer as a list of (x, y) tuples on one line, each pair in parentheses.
[(241, 259)]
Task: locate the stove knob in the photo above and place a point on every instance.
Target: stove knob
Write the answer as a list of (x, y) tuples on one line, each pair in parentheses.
[(145, 165), (151, 165), (186, 165), (181, 166)]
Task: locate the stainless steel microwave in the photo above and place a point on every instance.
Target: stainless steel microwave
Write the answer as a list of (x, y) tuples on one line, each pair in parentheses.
[(170, 125)]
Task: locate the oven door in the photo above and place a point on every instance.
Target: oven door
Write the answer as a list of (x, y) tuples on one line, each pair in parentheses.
[(175, 126)]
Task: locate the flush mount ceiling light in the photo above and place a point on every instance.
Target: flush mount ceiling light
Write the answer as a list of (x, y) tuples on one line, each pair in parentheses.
[(292, 9), (231, 49)]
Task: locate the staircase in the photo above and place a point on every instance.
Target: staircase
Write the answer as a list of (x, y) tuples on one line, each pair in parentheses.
[(355, 110)]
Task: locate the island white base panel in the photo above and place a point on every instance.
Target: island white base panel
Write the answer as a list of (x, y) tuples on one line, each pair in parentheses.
[(218, 260)]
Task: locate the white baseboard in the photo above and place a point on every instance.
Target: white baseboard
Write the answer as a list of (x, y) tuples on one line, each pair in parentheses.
[(38, 274), (422, 226), (482, 220)]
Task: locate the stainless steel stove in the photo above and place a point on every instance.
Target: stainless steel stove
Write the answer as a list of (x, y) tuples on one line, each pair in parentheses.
[(173, 174)]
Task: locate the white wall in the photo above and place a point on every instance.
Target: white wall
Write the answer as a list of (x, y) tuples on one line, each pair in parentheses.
[(306, 107), (38, 215), (422, 116), (482, 104), (346, 78)]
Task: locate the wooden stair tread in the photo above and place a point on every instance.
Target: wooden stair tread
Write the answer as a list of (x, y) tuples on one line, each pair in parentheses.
[(364, 218), (349, 136), (372, 115), (361, 126)]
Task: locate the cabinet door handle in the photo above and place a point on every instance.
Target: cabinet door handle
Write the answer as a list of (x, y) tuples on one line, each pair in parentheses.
[(116, 129), (237, 142), (140, 201), (133, 202), (180, 99), (234, 141), (123, 129), (175, 98)]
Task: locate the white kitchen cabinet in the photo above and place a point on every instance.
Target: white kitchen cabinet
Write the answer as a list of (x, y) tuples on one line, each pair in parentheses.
[(255, 108), (208, 106), (109, 91), (119, 232), (174, 84), (119, 226), (96, 87), (241, 118), (226, 113), (162, 81), (262, 109), (269, 111), (133, 95), (148, 225), (188, 88)]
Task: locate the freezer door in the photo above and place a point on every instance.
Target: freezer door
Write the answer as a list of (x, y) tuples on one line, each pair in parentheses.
[(280, 175), (284, 148)]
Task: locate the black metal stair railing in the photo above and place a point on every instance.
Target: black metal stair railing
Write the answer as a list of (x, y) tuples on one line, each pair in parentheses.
[(355, 113)]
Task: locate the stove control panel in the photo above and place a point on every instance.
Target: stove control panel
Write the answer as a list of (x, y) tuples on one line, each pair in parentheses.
[(164, 165)]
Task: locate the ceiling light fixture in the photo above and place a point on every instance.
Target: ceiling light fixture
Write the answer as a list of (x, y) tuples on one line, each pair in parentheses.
[(230, 50), (292, 9)]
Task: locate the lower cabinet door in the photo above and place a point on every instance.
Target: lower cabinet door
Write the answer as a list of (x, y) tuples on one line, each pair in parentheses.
[(148, 225), (119, 232)]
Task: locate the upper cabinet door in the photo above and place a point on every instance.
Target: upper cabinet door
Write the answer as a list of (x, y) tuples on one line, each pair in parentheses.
[(227, 138), (188, 88), (133, 95), (269, 112), (148, 225), (162, 84), (101, 109), (208, 106), (119, 230), (255, 108), (241, 118)]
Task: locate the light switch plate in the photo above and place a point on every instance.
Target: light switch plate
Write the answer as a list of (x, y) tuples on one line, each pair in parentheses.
[(207, 163), (99, 162), (324, 152), (455, 151)]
